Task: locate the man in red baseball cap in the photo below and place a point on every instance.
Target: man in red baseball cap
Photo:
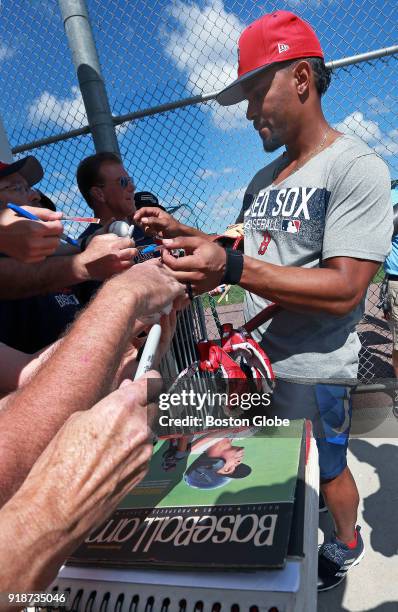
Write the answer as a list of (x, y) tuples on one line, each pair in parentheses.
[(317, 226), (29, 167), (269, 41), (25, 240)]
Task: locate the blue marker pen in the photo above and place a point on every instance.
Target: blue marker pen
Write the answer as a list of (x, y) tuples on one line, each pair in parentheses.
[(151, 248), (28, 215)]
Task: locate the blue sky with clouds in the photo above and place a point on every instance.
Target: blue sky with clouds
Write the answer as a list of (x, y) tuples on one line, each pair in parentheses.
[(152, 53)]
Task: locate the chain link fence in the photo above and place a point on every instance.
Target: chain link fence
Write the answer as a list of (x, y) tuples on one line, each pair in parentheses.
[(200, 156)]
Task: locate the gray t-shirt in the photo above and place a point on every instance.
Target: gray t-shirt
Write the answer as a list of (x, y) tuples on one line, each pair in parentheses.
[(336, 205)]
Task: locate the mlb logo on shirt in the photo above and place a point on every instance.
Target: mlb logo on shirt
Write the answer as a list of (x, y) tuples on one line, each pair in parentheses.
[(292, 227)]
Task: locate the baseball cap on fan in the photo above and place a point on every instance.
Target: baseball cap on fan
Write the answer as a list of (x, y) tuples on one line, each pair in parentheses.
[(29, 167), (276, 37)]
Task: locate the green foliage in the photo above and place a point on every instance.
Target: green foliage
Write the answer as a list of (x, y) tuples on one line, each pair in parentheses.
[(378, 277), (235, 296)]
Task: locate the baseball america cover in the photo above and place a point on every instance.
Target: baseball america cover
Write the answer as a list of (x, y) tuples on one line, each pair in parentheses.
[(222, 500)]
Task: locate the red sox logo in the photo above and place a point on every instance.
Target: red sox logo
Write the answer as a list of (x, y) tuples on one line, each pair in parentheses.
[(264, 245)]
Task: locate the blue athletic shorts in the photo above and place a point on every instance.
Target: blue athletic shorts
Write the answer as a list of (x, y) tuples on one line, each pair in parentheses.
[(329, 408)]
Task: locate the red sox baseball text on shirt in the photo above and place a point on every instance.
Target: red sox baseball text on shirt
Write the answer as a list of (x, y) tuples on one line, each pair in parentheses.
[(287, 209), (292, 202)]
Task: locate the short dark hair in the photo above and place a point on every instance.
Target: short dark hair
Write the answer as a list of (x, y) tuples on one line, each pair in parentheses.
[(89, 171), (322, 73)]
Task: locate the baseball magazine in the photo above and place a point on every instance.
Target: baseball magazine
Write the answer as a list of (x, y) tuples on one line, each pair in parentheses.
[(215, 500)]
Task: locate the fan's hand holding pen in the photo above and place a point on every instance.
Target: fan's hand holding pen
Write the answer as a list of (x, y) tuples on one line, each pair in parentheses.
[(28, 240)]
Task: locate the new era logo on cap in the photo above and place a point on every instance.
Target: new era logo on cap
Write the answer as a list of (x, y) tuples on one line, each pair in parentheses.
[(282, 47)]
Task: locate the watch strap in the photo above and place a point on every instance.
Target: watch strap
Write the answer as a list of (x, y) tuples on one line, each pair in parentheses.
[(233, 267)]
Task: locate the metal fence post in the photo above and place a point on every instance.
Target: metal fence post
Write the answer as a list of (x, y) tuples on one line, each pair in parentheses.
[(5, 149), (85, 58)]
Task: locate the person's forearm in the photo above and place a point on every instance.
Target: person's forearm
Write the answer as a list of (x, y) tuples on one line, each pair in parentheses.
[(18, 367), (20, 280), (66, 249), (187, 230), (300, 289), (13, 362), (34, 362), (30, 552), (79, 374), (95, 459)]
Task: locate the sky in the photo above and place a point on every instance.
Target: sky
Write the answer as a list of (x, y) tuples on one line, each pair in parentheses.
[(155, 52)]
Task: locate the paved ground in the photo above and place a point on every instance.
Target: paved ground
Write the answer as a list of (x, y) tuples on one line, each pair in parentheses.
[(227, 314), (372, 586)]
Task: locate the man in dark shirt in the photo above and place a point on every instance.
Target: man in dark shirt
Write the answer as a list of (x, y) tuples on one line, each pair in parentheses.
[(109, 191), (30, 324)]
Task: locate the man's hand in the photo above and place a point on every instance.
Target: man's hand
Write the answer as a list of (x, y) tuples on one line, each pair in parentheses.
[(156, 285), (153, 221), (44, 214), (141, 329), (203, 267), (129, 362), (168, 324), (30, 241), (105, 256), (95, 459)]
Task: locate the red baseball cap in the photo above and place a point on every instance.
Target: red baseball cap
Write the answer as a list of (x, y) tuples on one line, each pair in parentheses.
[(29, 167), (277, 37)]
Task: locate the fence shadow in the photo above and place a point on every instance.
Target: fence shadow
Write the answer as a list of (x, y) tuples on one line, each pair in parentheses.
[(372, 337), (373, 364), (380, 509), (369, 319)]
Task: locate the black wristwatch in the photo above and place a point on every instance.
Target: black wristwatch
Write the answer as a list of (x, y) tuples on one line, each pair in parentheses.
[(233, 267)]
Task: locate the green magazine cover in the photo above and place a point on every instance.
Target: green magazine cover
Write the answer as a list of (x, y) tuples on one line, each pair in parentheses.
[(221, 499)]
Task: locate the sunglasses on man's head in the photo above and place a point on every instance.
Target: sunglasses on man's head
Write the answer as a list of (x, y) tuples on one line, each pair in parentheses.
[(124, 182)]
